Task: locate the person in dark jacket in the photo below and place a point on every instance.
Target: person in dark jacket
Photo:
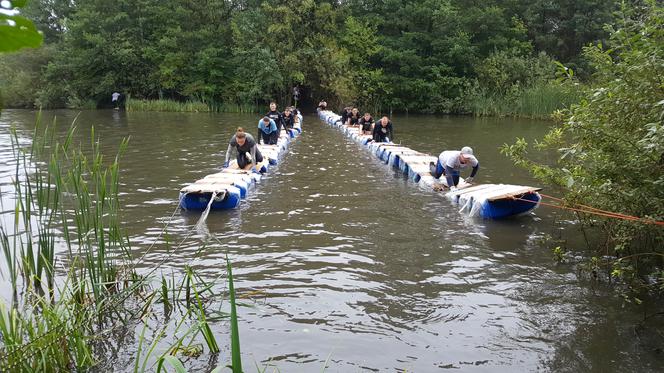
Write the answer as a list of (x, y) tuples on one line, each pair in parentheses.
[(274, 114), (383, 131), (366, 124), (354, 117), (247, 151), (288, 119), (345, 113)]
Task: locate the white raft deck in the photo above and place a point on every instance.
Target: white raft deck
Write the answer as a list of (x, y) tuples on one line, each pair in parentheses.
[(485, 200), (225, 189)]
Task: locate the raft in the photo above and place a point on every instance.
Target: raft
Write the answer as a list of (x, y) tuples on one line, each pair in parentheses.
[(226, 189), (490, 201)]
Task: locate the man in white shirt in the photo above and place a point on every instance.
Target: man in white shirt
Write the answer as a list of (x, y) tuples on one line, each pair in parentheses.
[(450, 163), (115, 99)]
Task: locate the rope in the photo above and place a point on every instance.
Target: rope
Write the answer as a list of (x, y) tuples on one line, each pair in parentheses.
[(592, 210)]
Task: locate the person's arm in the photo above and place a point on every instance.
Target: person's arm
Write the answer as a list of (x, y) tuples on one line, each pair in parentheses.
[(253, 157), (259, 137), (475, 169), (448, 176), (228, 154), (374, 133)]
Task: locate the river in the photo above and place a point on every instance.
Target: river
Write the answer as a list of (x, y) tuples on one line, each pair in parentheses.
[(346, 261)]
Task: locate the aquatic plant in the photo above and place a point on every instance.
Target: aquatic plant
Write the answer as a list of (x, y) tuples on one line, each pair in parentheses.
[(71, 272)]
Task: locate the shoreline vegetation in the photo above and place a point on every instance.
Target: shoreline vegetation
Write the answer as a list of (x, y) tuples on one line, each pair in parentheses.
[(540, 101), (447, 57), (191, 106), (72, 274)]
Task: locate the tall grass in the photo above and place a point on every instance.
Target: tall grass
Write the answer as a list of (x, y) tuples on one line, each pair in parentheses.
[(189, 106), (166, 105), (66, 200), (537, 101)]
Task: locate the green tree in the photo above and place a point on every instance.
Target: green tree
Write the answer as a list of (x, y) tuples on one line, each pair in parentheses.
[(612, 146)]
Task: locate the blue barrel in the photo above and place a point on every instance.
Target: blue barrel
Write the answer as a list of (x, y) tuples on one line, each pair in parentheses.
[(199, 201), (507, 207)]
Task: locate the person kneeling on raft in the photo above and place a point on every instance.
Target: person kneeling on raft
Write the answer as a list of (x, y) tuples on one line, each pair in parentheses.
[(287, 119), (354, 118), (268, 131), (382, 131), (366, 124), (247, 151), (450, 163)]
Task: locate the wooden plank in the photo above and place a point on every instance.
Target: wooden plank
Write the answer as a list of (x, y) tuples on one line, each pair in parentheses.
[(514, 193), (469, 189), (206, 188)]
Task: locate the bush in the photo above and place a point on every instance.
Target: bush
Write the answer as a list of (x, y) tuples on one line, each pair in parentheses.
[(611, 149), (20, 76)]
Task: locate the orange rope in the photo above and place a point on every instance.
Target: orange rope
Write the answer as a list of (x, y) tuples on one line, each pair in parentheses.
[(592, 210)]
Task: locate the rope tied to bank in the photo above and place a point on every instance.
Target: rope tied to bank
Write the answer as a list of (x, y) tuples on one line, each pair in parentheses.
[(591, 210)]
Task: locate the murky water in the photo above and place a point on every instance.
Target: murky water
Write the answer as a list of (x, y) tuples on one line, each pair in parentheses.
[(356, 266)]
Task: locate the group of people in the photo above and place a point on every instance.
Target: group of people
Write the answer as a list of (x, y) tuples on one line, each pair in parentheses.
[(381, 131), (273, 122), (269, 128), (449, 163)]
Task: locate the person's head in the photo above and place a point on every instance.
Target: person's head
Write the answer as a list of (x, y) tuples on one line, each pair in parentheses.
[(287, 111), (384, 121), (466, 154), (241, 136), (273, 106), (367, 116), (266, 121), (355, 111)]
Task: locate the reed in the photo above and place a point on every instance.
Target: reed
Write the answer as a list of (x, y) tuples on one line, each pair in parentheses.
[(195, 105), (537, 101), (236, 358), (66, 198)]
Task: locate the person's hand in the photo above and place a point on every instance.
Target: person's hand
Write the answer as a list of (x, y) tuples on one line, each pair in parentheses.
[(226, 164), (387, 139), (453, 188), (469, 179)]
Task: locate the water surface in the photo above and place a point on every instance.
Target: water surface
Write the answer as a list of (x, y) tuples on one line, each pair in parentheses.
[(348, 262)]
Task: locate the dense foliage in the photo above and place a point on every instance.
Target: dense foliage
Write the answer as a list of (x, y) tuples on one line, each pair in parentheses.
[(422, 55), (611, 149)]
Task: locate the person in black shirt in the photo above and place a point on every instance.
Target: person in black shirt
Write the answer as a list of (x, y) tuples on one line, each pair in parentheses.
[(275, 115), (353, 118), (345, 113), (383, 131), (287, 119), (245, 144), (366, 124)]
